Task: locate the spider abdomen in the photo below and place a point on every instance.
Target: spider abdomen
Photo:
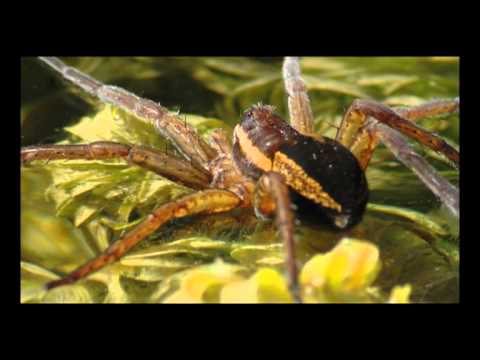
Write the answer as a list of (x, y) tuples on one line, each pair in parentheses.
[(325, 179)]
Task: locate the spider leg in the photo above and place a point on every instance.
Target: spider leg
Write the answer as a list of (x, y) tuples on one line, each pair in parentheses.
[(151, 159), (360, 139), (206, 202), (361, 135), (220, 141), (301, 116), (429, 109), (181, 134), (272, 197), (396, 142)]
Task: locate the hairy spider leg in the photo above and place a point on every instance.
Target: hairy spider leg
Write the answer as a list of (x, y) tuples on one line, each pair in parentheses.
[(182, 135), (355, 134), (362, 137), (272, 197), (396, 142), (220, 141), (301, 116), (201, 202), (429, 109), (168, 166)]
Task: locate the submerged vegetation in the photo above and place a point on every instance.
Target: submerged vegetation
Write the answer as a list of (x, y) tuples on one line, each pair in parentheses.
[(404, 250)]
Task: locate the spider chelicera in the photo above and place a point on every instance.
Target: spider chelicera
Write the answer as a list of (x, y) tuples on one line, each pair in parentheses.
[(281, 170)]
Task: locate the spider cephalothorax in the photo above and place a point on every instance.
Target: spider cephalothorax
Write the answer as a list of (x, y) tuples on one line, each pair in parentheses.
[(272, 166)]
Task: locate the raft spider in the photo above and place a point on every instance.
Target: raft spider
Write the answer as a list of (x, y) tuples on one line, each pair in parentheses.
[(268, 165)]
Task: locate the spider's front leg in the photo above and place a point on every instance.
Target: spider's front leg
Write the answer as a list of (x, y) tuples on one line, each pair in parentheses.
[(272, 198), (151, 159), (205, 202), (182, 135)]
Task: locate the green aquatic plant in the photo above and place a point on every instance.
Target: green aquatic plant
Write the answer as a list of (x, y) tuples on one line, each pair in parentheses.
[(72, 210)]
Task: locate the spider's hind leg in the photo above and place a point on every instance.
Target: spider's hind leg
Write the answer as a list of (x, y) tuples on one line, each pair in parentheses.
[(355, 134), (361, 135), (429, 109), (396, 142)]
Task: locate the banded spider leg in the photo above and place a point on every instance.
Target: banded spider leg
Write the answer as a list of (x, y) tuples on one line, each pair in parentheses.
[(193, 172)]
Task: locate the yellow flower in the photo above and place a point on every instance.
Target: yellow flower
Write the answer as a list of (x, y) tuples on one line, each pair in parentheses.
[(204, 284), (400, 295), (351, 266), (265, 286)]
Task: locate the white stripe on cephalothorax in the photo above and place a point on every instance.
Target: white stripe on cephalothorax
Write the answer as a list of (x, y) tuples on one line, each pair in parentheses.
[(253, 153)]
